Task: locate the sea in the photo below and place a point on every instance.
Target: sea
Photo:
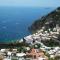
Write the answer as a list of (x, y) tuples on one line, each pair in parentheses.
[(14, 21)]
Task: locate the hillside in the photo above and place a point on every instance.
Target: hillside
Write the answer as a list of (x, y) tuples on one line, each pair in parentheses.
[(49, 21), (50, 26)]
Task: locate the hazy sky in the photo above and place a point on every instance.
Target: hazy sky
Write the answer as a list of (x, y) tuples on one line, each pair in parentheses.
[(30, 3)]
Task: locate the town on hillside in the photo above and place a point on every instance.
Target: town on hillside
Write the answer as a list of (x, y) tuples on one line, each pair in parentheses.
[(42, 45)]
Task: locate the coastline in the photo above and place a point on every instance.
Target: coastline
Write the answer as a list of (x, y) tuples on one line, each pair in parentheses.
[(16, 21)]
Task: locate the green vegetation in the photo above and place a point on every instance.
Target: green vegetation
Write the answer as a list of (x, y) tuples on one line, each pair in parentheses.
[(51, 43), (21, 49), (56, 58), (37, 46), (51, 19), (14, 45)]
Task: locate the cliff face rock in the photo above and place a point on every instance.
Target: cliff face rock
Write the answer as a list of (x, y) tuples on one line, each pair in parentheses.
[(48, 21)]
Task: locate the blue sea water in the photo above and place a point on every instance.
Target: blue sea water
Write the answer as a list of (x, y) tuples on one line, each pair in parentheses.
[(14, 21)]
